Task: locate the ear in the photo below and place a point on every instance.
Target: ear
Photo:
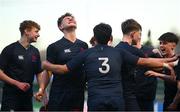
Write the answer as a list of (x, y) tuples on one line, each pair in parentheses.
[(26, 31), (132, 34), (60, 27)]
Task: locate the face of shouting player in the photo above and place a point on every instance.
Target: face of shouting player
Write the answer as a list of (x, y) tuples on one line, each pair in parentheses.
[(68, 23), (167, 48)]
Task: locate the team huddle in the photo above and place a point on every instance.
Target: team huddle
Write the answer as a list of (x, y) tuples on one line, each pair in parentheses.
[(120, 78)]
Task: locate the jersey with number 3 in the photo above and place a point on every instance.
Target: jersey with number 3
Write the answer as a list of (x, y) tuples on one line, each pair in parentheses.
[(102, 65)]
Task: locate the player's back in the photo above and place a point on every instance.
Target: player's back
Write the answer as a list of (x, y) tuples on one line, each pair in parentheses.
[(103, 68)]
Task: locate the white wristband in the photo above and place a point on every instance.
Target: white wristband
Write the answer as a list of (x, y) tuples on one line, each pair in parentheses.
[(40, 89), (165, 65), (175, 63)]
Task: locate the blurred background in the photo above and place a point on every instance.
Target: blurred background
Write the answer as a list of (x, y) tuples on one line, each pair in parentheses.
[(155, 16)]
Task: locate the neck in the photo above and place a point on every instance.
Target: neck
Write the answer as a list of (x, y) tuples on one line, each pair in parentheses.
[(24, 42), (70, 35), (127, 39)]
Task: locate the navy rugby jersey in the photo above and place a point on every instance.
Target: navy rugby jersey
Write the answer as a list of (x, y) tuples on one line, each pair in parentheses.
[(61, 52), (128, 69), (145, 86), (102, 65), (171, 88), (19, 63)]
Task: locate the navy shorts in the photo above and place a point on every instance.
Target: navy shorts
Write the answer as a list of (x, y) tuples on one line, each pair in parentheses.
[(105, 103), (68, 100), (16, 101)]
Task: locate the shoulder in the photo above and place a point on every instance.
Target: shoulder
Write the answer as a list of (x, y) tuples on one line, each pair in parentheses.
[(10, 46), (123, 45), (144, 47), (82, 43), (9, 49), (55, 44), (34, 49)]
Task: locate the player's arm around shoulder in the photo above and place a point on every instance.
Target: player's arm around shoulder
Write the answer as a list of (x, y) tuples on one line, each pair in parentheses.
[(56, 68)]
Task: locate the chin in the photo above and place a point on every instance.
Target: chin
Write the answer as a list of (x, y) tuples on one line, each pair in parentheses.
[(70, 27), (33, 41), (73, 26)]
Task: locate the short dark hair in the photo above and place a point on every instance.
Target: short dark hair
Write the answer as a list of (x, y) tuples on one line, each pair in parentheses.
[(102, 33), (59, 21), (169, 37), (130, 25), (92, 41), (28, 24)]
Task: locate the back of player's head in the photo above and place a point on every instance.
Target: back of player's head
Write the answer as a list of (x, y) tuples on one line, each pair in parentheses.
[(130, 25), (169, 37), (102, 33), (60, 19), (92, 41), (28, 24)]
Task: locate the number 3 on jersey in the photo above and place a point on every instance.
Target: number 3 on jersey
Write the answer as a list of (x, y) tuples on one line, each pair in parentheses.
[(105, 66)]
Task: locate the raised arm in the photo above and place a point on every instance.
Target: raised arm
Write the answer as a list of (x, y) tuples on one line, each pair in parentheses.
[(61, 69), (151, 62)]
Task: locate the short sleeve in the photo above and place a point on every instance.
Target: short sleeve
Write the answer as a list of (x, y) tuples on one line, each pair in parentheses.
[(51, 53), (39, 69), (178, 71), (5, 57), (76, 62)]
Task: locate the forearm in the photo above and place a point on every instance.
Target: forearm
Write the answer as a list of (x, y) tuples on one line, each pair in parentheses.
[(7, 79), (43, 79), (61, 69), (150, 62), (167, 60), (166, 77)]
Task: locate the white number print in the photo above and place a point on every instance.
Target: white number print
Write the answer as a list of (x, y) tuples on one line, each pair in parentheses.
[(105, 65)]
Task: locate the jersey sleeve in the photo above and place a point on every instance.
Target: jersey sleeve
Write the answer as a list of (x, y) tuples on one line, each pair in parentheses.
[(128, 57), (39, 69), (178, 72), (76, 62), (51, 53), (5, 57)]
